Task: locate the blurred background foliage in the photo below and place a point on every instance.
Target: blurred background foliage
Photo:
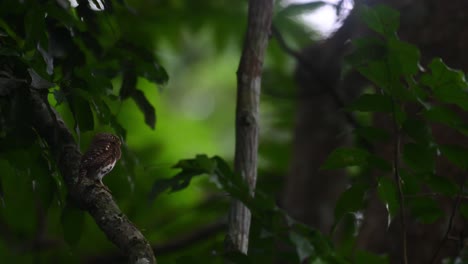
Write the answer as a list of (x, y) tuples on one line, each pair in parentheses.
[(160, 74)]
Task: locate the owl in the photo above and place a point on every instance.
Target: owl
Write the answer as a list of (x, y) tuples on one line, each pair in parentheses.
[(101, 157)]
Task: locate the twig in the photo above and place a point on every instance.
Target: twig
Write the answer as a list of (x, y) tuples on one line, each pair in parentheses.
[(455, 206), (249, 75), (396, 165)]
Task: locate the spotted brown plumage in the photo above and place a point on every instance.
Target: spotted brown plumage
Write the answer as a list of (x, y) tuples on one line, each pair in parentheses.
[(101, 157)]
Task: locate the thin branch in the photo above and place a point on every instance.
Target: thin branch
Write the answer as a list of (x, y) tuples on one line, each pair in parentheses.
[(249, 75), (84, 193), (396, 170), (456, 205)]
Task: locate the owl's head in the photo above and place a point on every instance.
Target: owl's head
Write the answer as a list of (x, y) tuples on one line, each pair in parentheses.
[(106, 137)]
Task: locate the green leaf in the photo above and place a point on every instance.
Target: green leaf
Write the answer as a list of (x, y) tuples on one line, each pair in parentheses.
[(367, 49), (146, 107), (379, 163), (303, 246), (351, 200), (456, 154), (403, 57), (381, 19), (345, 157), (370, 258), (447, 117), (417, 130), (448, 85), (82, 113), (72, 224), (425, 210), (420, 158), (376, 72), (372, 103), (441, 184), (387, 192), (34, 24), (411, 181)]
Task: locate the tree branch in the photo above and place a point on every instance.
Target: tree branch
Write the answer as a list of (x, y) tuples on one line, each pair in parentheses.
[(84, 193), (248, 96)]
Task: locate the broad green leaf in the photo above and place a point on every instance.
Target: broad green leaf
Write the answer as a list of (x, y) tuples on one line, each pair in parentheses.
[(379, 163), (366, 49), (411, 181), (447, 117), (381, 19), (303, 246), (370, 258), (418, 130), (82, 113), (456, 154), (403, 57), (345, 157), (425, 209), (372, 103), (376, 72), (420, 158), (441, 184), (387, 193), (448, 85), (34, 24), (145, 106), (72, 224), (351, 200)]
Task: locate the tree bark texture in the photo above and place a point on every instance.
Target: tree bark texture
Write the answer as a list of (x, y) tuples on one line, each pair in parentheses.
[(438, 29), (84, 193), (249, 76)]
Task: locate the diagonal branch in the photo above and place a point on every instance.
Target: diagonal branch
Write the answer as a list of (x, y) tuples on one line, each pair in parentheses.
[(97, 202), (249, 76)]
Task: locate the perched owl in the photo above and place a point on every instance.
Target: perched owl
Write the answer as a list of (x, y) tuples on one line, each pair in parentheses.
[(101, 157)]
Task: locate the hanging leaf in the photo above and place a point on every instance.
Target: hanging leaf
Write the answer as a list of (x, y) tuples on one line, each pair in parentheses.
[(381, 19), (145, 106), (387, 192)]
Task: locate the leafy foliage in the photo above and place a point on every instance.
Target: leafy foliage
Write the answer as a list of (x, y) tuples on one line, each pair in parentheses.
[(414, 101), (89, 62)]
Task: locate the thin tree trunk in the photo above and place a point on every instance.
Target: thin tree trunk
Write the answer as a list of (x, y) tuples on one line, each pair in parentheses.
[(248, 96)]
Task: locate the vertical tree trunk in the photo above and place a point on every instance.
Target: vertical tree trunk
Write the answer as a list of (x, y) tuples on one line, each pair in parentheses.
[(248, 96)]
